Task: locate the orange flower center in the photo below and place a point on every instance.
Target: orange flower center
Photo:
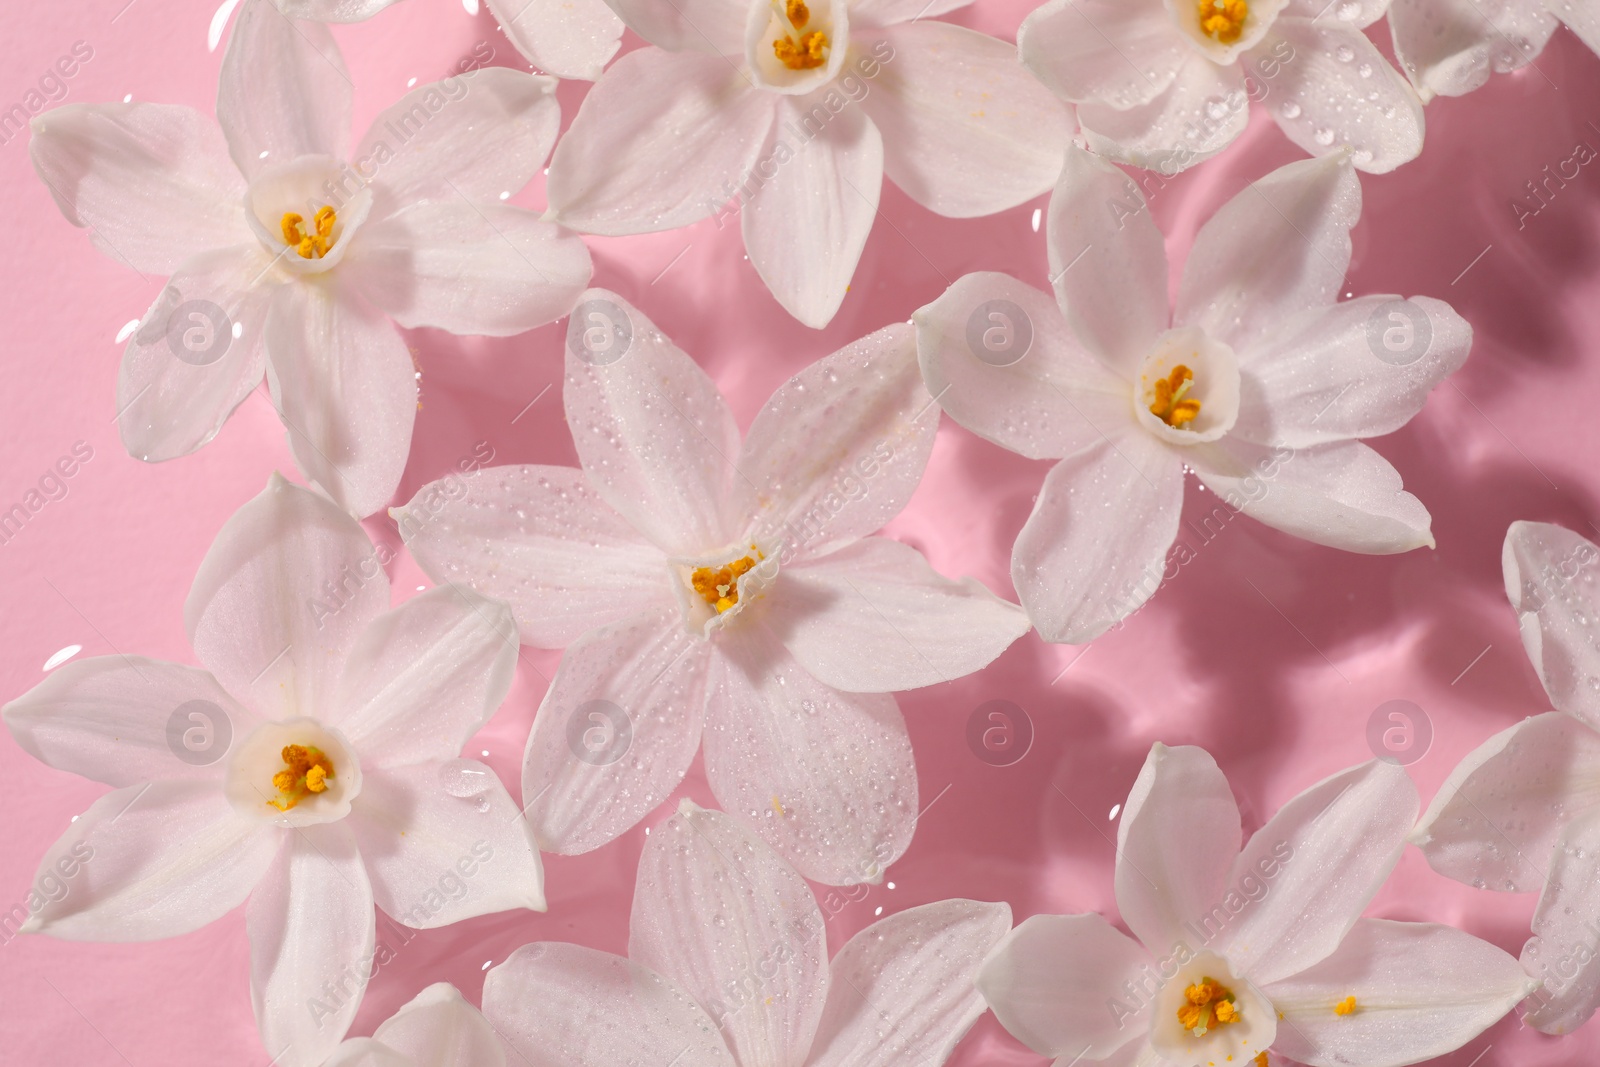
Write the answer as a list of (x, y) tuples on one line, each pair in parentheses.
[(305, 771), (310, 245), (1209, 1003), (798, 49), (719, 586), (1223, 20), (1170, 405)]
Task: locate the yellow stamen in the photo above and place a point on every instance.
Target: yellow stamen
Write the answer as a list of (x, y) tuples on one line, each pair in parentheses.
[(306, 771), (1347, 1006), (1209, 1001), (1223, 20), (719, 586), (1261, 1059), (1169, 405), (309, 245), (796, 49)]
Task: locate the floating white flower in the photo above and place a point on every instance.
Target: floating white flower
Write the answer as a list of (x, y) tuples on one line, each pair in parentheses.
[(700, 584), (1165, 84), (286, 260), (568, 38), (311, 768), (1521, 814), (436, 1028), (728, 964), (1257, 381), (1450, 47), (793, 112), (1244, 951)]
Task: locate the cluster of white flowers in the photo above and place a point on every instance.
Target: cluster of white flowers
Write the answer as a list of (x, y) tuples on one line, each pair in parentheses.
[(729, 595)]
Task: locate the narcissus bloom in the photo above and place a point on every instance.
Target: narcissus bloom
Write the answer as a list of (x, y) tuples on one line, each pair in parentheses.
[(1245, 955), (436, 1028), (1521, 813), (1450, 47), (286, 260), (1165, 84), (706, 588), (311, 768), (793, 112), (568, 38), (1256, 380), (728, 964)]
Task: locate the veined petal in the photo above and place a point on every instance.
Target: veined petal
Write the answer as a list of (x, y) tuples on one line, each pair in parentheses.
[(484, 269), (1328, 851), (805, 226), (469, 138), (653, 434), (889, 12), (540, 539), (721, 914), (874, 617), (1549, 576), (281, 599), (561, 1005), (312, 930), (616, 730), (838, 449), (1565, 948), (152, 861), (332, 10), (1342, 494), (662, 140), (714, 26), (1378, 119), (967, 131), (1176, 843), (284, 90), (1108, 261), (128, 720), (826, 778), (1095, 547), (185, 370), (1421, 991), (1050, 982), (1450, 47), (1121, 55), (151, 182), (1199, 114), (1003, 362), (439, 1028), (1278, 248), (1361, 368), (1496, 820), (346, 389), (568, 38), (435, 856), (902, 989), (426, 676)]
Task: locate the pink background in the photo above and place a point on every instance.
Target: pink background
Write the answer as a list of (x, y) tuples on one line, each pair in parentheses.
[(1277, 680)]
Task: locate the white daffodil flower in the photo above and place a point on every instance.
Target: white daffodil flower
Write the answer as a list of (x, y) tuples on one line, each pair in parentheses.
[(1165, 84), (436, 1028), (1245, 952), (706, 588), (791, 114), (1521, 814), (1257, 381), (287, 260), (728, 964), (311, 768), (1450, 47), (568, 38)]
